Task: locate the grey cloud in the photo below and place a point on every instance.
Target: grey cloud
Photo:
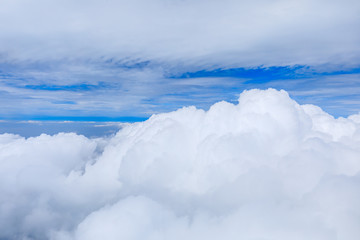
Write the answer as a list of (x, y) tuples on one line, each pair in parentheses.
[(201, 34)]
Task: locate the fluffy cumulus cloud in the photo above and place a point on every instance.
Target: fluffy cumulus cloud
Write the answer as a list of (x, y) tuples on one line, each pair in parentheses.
[(265, 168)]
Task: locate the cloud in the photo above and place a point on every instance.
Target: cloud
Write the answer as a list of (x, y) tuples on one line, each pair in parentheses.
[(63, 58), (121, 58), (193, 34), (265, 168)]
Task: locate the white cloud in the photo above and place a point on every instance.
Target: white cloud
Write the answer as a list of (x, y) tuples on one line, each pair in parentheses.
[(266, 168), (193, 34)]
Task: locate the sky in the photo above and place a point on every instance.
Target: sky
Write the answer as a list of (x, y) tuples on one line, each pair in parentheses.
[(126, 60), (179, 119)]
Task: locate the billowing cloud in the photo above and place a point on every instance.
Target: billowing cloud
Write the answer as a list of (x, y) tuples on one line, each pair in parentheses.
[(265, 168), (196, 34)]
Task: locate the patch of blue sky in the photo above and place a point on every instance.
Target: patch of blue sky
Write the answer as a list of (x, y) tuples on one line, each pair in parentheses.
[(259, 74), (90, 118), (47, 118), (64, 102), (266, 74), (76, 87)]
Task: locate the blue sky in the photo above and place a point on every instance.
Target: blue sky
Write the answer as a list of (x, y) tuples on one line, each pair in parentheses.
[(59, 62), (126, 94)]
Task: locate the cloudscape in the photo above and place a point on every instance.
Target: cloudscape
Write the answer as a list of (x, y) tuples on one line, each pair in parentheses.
[(264, 168), (180, 120)]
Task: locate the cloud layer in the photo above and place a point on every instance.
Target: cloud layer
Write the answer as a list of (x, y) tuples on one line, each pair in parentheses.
[(265, 168), (183, 33), (123, 58)]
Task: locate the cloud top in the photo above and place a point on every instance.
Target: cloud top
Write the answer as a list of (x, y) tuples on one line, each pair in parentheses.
[(265, 168)]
